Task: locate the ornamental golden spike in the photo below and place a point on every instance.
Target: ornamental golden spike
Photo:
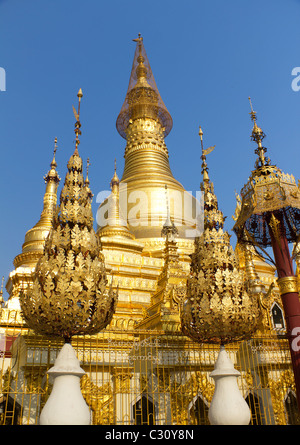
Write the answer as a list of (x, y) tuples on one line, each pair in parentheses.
[(141, 70), (169, 230), (139, 40), (114, 183), (54, 152), (87, 181), (77, 123), (52, 173), (87, 170), (257, 136), (253, 113), (203, 157)]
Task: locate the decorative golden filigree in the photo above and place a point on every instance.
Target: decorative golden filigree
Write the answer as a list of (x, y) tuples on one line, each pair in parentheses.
[(121, 378), (69, 293), (218, 308)]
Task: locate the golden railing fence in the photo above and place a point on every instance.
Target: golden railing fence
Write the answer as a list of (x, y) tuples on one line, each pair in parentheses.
[(144, 377)]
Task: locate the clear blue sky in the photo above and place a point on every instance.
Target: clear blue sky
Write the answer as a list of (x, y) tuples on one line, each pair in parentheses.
[(207, 58)]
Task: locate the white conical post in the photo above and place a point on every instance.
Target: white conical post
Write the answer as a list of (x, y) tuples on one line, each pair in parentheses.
[(228, 407), (66, 405)]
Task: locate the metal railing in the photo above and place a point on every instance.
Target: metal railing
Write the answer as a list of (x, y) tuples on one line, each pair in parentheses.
[(144, 377)]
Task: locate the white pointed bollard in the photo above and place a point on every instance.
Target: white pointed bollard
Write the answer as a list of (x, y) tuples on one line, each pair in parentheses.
[(228, 407), (66, 405)]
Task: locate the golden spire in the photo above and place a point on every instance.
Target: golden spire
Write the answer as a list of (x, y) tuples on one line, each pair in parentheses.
[(169, 229), (69, 295), (141, 70), (115, 181), (218, 308), (203, 157), (87, 171), (257, 136), (35, 237), (87, 181), (77, 123), (52, 174)]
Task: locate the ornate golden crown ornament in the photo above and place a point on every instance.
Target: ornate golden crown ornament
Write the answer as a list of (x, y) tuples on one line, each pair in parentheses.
[(218, 308), (69, 294), (270, 199)]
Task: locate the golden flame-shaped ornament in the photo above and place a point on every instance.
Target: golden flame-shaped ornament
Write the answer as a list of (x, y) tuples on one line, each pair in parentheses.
[(69, 294), (218, 307)]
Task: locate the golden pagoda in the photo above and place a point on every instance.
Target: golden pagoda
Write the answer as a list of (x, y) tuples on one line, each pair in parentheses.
[(144, 122), (33, 245), (141, 369)]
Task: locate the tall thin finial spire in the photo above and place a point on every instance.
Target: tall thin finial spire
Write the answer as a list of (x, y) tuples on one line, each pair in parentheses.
[(253, 113), (139, 41), (257, 136), (141, 69), (87, 171), (169, 230), (87, 181), (55, 147), (52, 174), (203, 157), (77, 123), (142, 100), (115, 179), (53, 163)]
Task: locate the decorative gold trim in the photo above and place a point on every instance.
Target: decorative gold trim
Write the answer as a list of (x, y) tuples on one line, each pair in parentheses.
[(287, 285)]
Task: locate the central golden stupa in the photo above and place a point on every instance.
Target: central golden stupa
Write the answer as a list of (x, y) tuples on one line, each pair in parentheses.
[(144, 122)]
